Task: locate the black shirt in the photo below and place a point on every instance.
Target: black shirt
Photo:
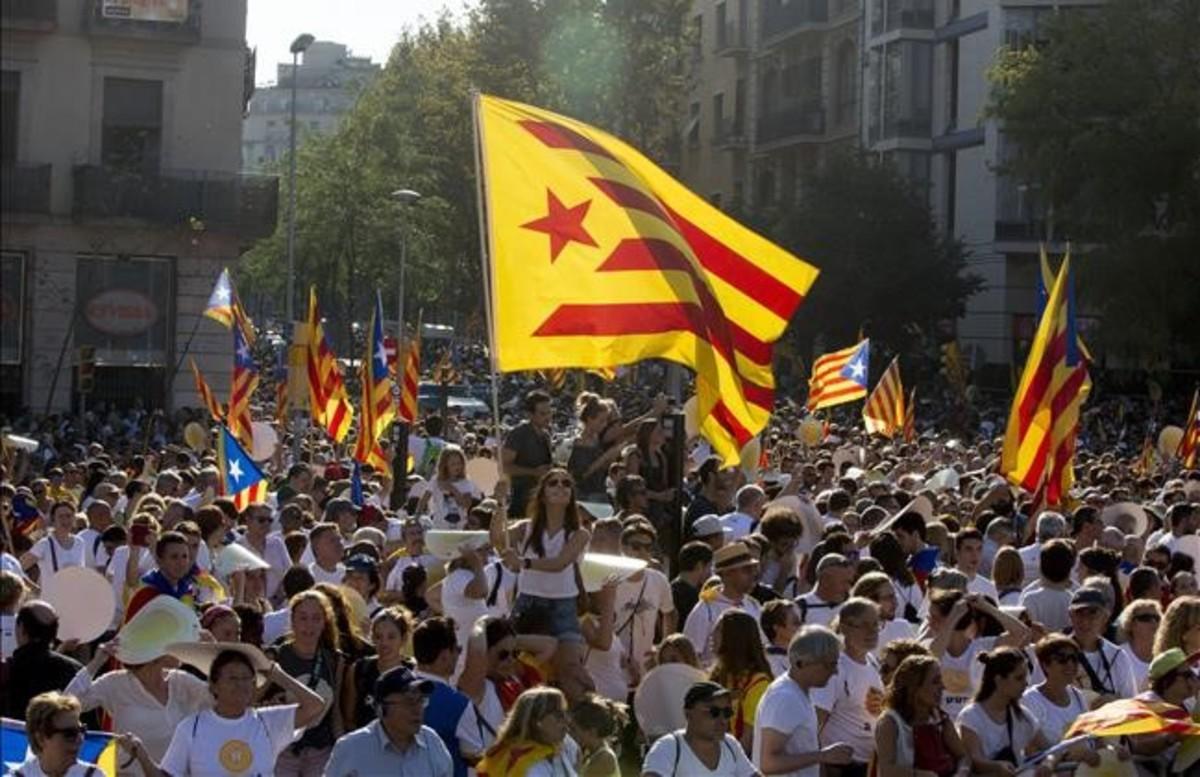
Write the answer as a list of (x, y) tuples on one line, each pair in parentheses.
[(685, 595), (34, 668), (532, 447), (699, 508)]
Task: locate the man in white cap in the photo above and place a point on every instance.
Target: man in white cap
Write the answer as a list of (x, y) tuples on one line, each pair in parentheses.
[(709, 530), (738, 570)]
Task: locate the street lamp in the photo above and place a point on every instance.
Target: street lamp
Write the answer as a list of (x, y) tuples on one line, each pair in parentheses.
[(405, 197), (299, 46)]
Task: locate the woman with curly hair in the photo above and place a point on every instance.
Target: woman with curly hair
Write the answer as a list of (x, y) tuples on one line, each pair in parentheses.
[(914, 736), (742, 667), (1180, 627)]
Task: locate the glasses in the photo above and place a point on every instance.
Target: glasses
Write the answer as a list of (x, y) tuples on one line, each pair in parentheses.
[(1065, 658), (720, 712), (558, 483), (1146, 617), (70, 732)]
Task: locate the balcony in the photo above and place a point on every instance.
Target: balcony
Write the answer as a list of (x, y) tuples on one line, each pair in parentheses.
[(804, 120), (731, 41), (37, 15), (175, 21), (1031, 231), (907, 15), (245, 205), (730, 134), (25, 188), (780, 17)]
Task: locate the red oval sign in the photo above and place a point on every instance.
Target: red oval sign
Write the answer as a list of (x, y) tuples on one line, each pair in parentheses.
[(121, 312)]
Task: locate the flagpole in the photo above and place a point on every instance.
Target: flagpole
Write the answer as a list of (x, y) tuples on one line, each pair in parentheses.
[(484, 241)]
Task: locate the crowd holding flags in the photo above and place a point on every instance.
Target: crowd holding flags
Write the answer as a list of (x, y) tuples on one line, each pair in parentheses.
[(241, 390), (240, 477), (328, 403), (376, 410), (1189, 444), (884, 412), (840, 376)]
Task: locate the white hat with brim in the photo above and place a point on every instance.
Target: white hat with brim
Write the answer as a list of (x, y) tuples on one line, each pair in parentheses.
[(658, 702), (918, 504), (447, 544), (237, 558), (596, 568), (597, 510), (1114, 512), (202, 654), (162, 621)]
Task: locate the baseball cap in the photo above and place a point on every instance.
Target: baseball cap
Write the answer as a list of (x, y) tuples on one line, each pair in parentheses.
[(399, 680), (361, 562), (1168, 661), (1088, 597), (707, 526), (703, 691)]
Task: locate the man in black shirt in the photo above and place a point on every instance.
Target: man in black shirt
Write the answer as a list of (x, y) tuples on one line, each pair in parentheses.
[(695, 566), (34, 668), (526, 454), (712, 494)]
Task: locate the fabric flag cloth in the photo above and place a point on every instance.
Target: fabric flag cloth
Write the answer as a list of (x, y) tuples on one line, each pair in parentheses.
[(555, 378), (910, 416), (1039, 442), (356, 484), (328, 402), (97, 748), (884, 411), (514, 759), (1189, 444), (606, 374), (1146, 461), (225, 307), (206, 394), (840, 376), (241, 390), (411, 381), (241, 479), (282, 401), (598, 258), (376, 410), (1127, 717)]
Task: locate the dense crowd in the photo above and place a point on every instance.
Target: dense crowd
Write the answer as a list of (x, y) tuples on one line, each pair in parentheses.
[(574, 601)]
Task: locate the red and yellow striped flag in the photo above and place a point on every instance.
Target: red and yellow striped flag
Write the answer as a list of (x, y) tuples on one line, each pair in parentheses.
[(910, 416), (376, 410), (599, 258), (884, 411), (1039, 442), (1189, 444), (411, 381), (328, 402), (206, 394), (839, 377), (241, 390)]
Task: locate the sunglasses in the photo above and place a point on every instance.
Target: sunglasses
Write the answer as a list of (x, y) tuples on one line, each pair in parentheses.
[(71, 732), (1146, 617), (558, 483), (721, 712)]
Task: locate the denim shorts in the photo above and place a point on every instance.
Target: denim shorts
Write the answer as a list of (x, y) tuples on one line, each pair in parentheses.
[(556, 618)]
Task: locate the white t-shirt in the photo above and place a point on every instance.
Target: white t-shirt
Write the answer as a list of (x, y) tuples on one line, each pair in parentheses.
[(787, 708), (321, 575), (661, 759), (961, 675), (816, 611), (445, 512), (1052, 719), (906, 595), (1047, 606), (1031, 558), (700, 621), (897, 628), (465, 610), (638, 605), (10, 563), (849, 696), (549, 585), (993, 736), (984, 586), (93, 560), (777, 657), (207, 744), (395, 578), (1111, 665), (1141, 669), (116, 574), (276, 624), (52, 556), (8, 636)]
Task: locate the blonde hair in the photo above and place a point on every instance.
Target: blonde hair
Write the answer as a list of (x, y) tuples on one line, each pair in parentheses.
[(520, 725), (330, 639), (1008, 570), (681, 643), (1180, 617), (40, 714), (1132, 610), (443, 461)]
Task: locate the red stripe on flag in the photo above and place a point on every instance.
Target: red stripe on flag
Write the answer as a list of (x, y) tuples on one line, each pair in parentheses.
[(559, 136)]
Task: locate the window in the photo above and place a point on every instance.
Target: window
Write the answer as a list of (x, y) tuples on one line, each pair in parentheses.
[(10, 114), (131, 135), (722, 31), (718, 110), (739, 105), (900, 85)]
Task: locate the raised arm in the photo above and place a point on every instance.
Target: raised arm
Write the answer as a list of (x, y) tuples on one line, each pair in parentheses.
[(571, 552)]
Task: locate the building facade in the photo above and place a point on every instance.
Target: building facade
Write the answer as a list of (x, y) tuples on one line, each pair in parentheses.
[(905, 79), (328, 82), (122, 196)]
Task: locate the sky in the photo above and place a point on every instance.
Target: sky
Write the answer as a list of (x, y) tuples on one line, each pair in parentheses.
[(368, 27)]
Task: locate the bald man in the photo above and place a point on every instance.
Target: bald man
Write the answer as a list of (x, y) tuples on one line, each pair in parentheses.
[(35, 667)]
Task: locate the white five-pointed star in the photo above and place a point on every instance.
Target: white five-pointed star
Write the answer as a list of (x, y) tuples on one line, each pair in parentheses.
[(235, 471), (243, 352), (221, 295), (856, 369), (381, 356)]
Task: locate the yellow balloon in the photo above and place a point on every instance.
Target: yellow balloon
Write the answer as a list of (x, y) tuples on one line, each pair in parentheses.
[(810, 431), (195, 436), (1168, 441)]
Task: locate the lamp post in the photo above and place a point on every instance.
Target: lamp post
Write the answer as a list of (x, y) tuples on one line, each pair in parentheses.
[(299, 45), (405, 197)]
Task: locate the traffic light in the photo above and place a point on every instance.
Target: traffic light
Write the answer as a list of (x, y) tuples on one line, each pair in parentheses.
[(87, 369)]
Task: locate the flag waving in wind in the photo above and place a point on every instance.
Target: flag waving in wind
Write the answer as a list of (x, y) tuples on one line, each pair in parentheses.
[(884, 412), (598, 258), (241, 479), (225, 307), (206, 394), (1189, 444), (840, 376), (245, 381), (328, 402), (376, 411)]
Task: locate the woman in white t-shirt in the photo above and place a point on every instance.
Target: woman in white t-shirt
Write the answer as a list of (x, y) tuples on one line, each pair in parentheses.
[(1136, 628), (234, 737), (447, 497), (1056, 702), (955, 619), (997, 731), (60, 548)]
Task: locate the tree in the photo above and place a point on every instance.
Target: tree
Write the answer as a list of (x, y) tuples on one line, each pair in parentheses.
[(883, 262), (1103, 118)]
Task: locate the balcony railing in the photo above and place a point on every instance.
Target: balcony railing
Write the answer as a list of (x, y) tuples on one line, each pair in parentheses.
[(780, 16), (246, 205), (731, 40), (803, 119), (29, 14), (25, 188), (119, 18), (730, 133)]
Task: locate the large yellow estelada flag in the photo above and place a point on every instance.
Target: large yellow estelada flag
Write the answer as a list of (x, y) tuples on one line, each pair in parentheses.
[(598, 258)]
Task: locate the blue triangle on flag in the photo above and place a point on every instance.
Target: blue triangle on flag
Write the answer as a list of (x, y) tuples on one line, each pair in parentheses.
[(237, 468)]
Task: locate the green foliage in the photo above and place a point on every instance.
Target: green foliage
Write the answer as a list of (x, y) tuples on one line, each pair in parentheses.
[(1104, 119), (882, 258)]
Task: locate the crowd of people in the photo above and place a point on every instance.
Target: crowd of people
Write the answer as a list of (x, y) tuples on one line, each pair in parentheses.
[(844, 607)]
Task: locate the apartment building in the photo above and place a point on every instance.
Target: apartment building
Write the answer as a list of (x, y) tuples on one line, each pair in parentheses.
[(779, 84), (328, 81), (121, 195)]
